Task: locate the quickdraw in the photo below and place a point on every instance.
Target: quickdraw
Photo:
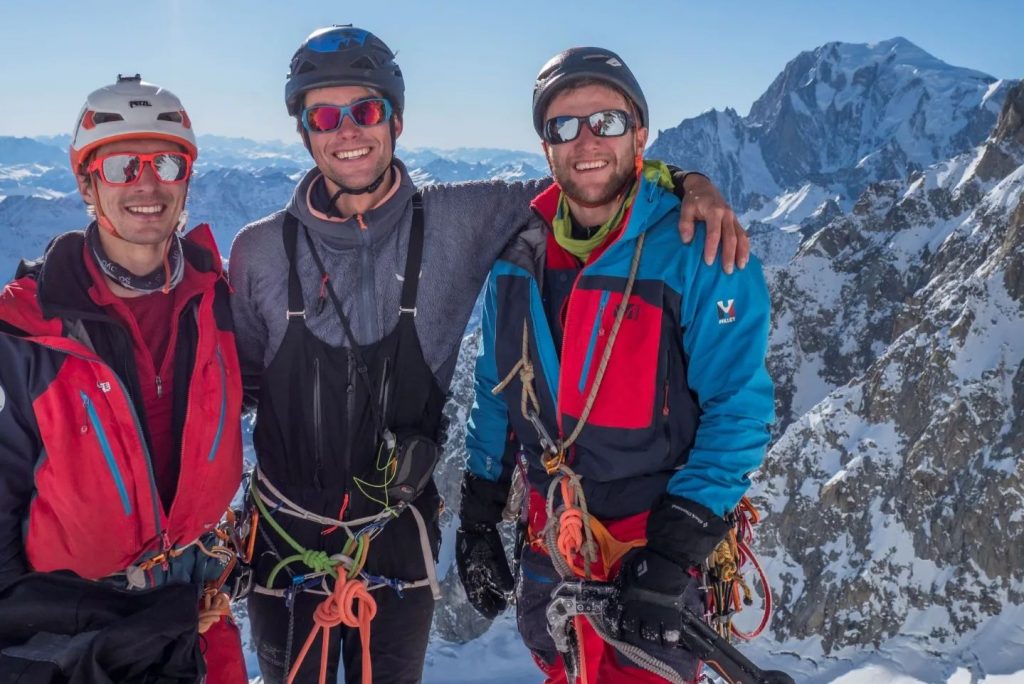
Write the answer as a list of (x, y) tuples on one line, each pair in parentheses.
[(728, 591)]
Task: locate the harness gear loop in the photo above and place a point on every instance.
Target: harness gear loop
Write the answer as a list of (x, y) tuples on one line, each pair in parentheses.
[(727, 589), (341, 608)]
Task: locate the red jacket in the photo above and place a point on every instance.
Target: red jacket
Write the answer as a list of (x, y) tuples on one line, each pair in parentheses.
[(76, 485)]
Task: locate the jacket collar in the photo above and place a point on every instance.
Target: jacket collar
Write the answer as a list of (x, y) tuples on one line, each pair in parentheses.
[(64, 281)]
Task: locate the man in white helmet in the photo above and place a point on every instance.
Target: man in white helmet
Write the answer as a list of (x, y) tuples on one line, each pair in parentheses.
[(120, 446)]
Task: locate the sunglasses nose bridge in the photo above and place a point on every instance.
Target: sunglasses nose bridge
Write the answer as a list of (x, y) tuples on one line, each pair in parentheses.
[(147, 175)]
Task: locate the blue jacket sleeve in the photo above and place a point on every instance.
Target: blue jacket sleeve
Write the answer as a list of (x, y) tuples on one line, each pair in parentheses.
[(19, 449), (725, 321), (487, 431)]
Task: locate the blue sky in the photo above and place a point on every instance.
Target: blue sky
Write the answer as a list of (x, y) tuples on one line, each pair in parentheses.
[(469, 66)]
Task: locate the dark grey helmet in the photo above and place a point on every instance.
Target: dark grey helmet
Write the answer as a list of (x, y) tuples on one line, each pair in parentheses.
[(340, 56), (584, 63)]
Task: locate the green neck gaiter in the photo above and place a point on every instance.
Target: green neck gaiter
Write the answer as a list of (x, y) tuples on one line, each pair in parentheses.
[(654, 171)]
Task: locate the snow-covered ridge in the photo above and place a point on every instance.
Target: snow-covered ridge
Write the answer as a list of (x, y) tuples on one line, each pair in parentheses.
[(838, 118)]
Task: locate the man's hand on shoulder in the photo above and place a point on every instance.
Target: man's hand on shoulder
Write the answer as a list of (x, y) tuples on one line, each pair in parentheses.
[(703, 202)]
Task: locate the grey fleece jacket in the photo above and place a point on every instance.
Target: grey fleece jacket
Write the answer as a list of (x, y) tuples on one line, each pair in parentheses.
[(465, 228)]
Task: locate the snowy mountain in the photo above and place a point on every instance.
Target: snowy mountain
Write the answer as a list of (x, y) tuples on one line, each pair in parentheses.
[(897, 347), (837, 119)]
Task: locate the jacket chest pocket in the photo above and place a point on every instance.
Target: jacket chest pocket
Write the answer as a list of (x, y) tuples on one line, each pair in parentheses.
[(628, 392)]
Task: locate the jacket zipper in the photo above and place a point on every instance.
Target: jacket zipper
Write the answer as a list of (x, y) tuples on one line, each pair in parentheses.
[(223, 405), (597, 330), (108, 453), (317, 426), (350, 410)]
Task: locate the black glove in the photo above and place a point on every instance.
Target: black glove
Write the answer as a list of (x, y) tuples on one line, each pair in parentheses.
[(479, 554), (654, 583), (653, 592), (683, 530), (483, 569)]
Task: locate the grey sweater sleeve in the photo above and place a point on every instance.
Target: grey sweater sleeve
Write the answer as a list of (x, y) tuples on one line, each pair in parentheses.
[(251, 335), (491, 213)]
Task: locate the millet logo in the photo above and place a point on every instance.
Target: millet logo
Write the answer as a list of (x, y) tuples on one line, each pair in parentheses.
[(726, 311)]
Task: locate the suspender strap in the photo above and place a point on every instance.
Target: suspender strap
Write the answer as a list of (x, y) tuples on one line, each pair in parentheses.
[(296, 307), (413, 260)]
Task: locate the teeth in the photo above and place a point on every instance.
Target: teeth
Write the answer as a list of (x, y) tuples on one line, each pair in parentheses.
[(152, 209), (586, 166), (352, 154)]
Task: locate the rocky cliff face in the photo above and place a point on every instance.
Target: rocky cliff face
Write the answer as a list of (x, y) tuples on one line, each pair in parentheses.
[(895, 495)]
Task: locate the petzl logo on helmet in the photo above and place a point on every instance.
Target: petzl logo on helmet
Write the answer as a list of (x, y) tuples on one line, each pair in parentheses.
[(139, 103), (726, 311)]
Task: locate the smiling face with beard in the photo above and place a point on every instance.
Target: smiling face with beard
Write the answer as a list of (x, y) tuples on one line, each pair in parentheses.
[(593, 171)]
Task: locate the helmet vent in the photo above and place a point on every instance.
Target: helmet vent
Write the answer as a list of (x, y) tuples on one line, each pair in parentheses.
[(364, 62), (303, 68), (106, 117), (169, 116)]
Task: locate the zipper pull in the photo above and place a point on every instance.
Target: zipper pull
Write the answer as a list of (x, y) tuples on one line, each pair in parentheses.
[(159, 387), (165, 540)]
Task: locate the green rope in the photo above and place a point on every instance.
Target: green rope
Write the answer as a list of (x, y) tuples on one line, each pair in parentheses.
[(317, 561)]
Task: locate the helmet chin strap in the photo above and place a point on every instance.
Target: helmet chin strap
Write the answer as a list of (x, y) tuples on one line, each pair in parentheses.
[(345, 190)]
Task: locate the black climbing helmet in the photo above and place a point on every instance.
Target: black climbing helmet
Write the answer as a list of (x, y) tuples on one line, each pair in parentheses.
[(341, 56), (580, 64)]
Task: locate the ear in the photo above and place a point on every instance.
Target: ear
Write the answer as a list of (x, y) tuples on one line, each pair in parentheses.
[(86, 189), (641, 139), (398, 126)]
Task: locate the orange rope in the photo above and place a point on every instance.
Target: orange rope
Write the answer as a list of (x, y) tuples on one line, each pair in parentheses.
[(570, 527), (570, 533), (339, 609)]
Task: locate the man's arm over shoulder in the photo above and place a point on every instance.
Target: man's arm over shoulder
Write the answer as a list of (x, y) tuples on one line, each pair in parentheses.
[(20, 447), (485, 214), (725, 322), (248, 252)]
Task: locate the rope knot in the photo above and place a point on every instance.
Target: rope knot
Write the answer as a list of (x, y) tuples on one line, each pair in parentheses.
[(317, 561)]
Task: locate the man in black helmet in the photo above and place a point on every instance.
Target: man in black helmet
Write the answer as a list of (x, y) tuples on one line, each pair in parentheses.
[(633, 377), (349, 319)]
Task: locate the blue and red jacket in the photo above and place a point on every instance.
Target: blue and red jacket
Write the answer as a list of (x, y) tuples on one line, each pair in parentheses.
[(686, 400), (77, 490)]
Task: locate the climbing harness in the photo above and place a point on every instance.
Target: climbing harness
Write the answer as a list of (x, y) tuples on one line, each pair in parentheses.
[(349, 601)]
